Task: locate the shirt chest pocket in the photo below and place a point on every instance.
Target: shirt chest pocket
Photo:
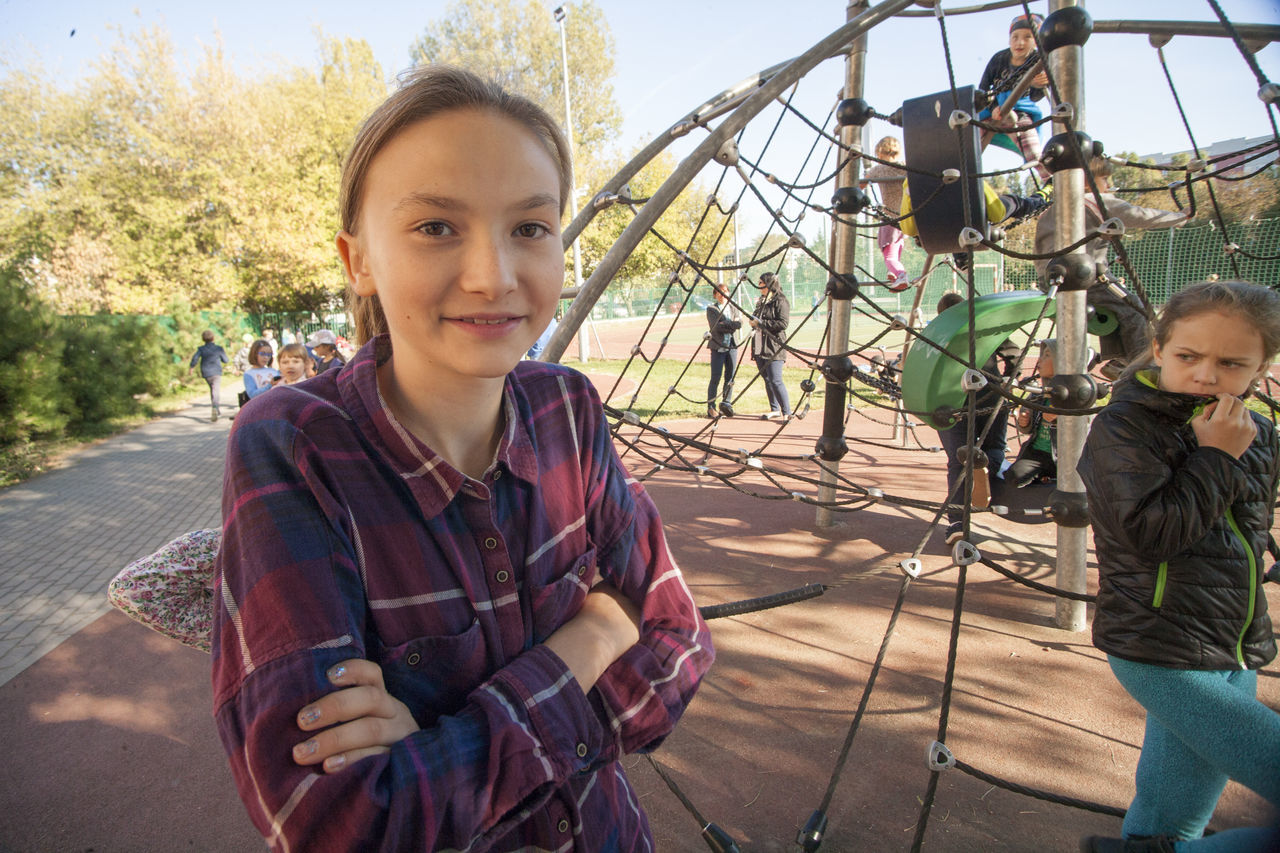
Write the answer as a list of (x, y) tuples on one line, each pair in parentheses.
[(433, 675), (555, 601)]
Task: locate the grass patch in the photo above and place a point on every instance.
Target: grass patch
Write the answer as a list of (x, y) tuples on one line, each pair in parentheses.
[(655, 399), (23, 460)]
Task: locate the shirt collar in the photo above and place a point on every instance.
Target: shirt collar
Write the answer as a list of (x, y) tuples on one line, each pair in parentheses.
[(436, 481)]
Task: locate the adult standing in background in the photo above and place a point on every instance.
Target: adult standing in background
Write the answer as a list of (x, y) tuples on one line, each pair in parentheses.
[(723, 320), (770, 320), (211, 358)]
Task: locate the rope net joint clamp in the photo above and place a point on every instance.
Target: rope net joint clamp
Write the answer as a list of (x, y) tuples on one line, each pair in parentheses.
[(911, 567), (965, 553), (973, 380), (939, 757)]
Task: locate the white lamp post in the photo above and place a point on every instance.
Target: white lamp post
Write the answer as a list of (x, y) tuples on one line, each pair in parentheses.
[(583, 343)]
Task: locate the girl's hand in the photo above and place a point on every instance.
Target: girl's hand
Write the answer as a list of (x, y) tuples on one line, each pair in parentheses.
[(1225, 424), (359, 719), (1041, 80), (607, 625)]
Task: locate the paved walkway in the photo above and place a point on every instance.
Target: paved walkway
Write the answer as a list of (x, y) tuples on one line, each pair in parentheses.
[(65, 534)]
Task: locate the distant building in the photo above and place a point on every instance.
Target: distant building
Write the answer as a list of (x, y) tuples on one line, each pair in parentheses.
[(1233, 165)]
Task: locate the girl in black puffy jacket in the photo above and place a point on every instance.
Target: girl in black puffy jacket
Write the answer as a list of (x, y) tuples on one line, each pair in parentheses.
[(1181, 479)]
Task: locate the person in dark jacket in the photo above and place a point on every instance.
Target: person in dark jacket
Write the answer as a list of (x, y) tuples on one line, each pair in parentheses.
[(211, 358), (723, 324), (768, 343), (1181, 479)]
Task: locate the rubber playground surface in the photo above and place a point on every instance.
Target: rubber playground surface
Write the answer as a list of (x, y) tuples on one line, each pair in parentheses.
[(110, 743)]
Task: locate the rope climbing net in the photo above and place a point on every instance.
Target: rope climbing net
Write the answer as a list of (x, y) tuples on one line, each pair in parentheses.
[(863, 381)]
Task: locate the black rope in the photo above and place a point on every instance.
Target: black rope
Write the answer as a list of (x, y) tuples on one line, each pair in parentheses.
[(764, 602), (1087, 805), (838, 770), (1036, 585), (1213, 197)]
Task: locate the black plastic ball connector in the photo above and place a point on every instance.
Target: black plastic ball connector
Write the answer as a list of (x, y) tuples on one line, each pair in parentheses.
[(837, 369), (1069, 509), (1072, 392), (718, 840), (849, 200), (1071, 272), (1059, 154), (831, 448), (810, 837), (1070, 25), (807, 386), (853, 112), (840, 287), (979, 457)]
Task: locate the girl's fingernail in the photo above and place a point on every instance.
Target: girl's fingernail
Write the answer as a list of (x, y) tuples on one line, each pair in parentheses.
[(335, 762), (305, 748), (337, 672), (309, 716)]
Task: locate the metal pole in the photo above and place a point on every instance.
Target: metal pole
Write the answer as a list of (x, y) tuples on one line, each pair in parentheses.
[(845, 262), (742, 113), (1067, 66), (584, 345)]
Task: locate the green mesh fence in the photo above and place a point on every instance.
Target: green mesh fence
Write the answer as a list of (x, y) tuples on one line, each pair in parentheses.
[(1164, 261)]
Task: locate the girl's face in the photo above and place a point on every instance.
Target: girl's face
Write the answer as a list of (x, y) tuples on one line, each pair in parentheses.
[(1021, 43), (1210, 353), (264, 357), (459, 237), (292, 368)]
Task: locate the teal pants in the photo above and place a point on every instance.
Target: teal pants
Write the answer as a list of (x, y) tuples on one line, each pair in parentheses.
[(1203, 727)]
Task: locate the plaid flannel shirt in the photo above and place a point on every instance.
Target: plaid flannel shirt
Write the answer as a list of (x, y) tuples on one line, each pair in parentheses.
[(345, 536)]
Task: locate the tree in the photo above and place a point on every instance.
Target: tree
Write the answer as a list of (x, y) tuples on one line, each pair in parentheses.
[(145, 185), (518, 45), (690, 224)]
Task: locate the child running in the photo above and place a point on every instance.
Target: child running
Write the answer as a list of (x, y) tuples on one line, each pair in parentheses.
[(1181, 479), (444, 610)]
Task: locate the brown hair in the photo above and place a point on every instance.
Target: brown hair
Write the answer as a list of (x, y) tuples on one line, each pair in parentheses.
[(253, 352), (1257, 305), (426, 91), (294, 350), (770, 281)]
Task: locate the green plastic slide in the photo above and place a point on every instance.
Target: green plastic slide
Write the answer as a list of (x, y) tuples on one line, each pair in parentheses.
[(931, 380)]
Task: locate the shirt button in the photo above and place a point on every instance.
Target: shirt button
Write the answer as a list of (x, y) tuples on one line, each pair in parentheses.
[(413, 659), (497, 475), (563, 825), (490, 543), (582, 750), (501, 576), (582, 570)]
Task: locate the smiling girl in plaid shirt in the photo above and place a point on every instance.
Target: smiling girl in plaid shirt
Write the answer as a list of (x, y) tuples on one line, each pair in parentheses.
[(443, 608)]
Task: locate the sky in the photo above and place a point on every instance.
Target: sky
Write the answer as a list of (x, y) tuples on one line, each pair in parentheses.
[(672, 55)]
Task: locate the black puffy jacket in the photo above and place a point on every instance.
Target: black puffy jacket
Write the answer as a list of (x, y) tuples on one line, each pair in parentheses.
[(1180, 532)]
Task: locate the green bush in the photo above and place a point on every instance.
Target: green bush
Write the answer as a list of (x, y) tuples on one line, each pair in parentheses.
[(31, 398)]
